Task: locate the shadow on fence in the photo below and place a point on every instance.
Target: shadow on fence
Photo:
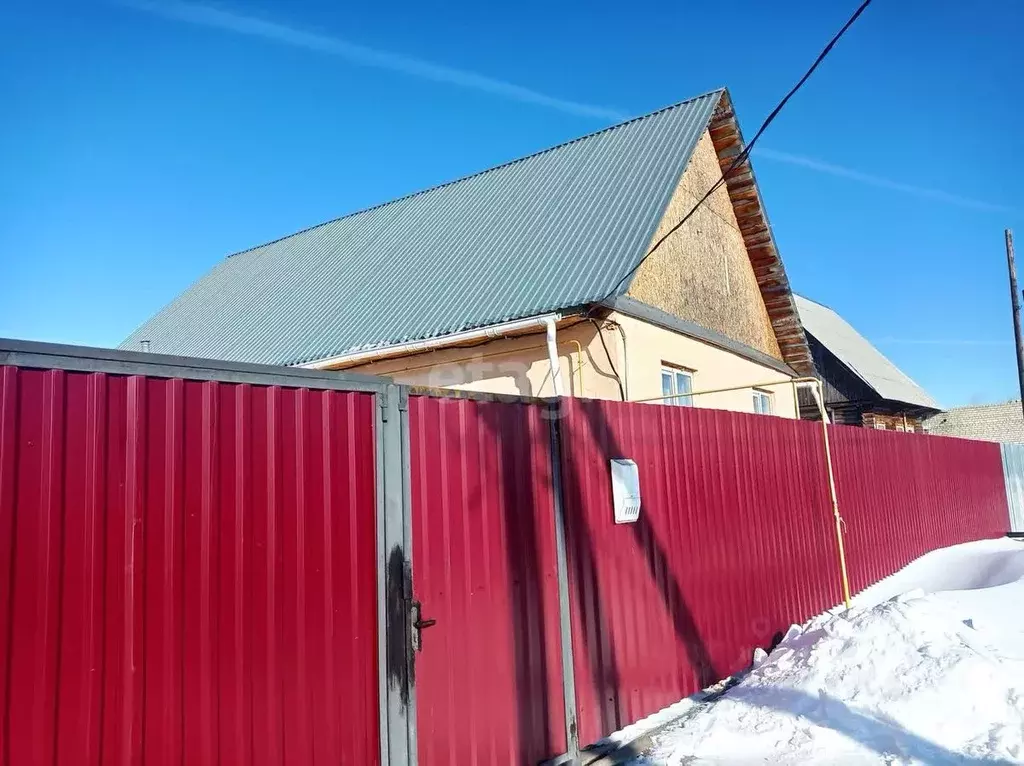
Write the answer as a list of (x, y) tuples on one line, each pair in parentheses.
[(670, 599), (530, 633), (602, 662)]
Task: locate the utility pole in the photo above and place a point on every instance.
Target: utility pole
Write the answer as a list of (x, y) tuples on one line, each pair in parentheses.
[(1015, 302)]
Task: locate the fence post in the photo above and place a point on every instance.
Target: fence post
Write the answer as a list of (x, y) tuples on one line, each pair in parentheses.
[(565, 616), (1013, 477), (397, 689)]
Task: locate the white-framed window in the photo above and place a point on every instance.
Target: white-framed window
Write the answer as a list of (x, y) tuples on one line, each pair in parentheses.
[(764, 403), (879, 425), (674, 382)]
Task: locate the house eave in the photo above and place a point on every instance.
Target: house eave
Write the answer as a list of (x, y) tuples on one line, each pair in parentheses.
[(639, 310), (474, 336), (758, 239)]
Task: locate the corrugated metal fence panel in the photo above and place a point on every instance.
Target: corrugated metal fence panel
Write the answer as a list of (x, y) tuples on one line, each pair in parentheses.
[(189, 572), (733, 544), (902, 495), (488, 680), (1013, 473)]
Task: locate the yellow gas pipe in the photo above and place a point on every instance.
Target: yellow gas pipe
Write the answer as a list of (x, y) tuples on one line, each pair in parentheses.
[(815, 385)]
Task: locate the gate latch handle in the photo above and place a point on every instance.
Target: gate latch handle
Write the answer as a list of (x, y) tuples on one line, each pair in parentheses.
[(418, 625)]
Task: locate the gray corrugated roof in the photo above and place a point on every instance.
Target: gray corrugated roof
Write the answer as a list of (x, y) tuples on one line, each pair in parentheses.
[(550, 231), (863, 359), (1001, 422)]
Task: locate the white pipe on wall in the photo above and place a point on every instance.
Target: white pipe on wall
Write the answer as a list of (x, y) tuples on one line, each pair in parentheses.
[(556, 368), (816, 393)]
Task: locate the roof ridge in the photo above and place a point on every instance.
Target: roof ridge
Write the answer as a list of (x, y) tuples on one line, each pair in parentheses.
[(477, 173), (818, 303), (987, 404)]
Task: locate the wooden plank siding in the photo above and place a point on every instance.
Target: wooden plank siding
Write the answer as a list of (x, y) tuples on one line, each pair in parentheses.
[(757, 237), (850, 401)]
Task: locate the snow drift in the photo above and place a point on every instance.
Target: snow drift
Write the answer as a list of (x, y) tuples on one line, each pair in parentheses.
[(914, 673)]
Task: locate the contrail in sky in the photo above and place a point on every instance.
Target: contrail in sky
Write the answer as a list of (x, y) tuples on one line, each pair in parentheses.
[(884, 183), (206, 16), (944, 342)]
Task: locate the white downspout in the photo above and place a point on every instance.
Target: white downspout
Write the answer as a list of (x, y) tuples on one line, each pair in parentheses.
[(816, 393), (556, 368)]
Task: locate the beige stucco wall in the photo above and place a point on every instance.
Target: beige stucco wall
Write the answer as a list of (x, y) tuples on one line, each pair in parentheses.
[(702, 271), (649, 346), (510, 366), (520, 366)]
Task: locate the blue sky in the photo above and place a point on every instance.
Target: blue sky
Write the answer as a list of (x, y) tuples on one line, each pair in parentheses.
[(141, 141)]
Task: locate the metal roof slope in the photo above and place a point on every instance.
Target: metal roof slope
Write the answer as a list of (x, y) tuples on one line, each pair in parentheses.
[(550, 231), (854, 350)]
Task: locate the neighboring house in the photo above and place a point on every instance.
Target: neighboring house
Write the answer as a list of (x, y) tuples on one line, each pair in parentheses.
[(1001, 422), (861, 386), (520, 280)]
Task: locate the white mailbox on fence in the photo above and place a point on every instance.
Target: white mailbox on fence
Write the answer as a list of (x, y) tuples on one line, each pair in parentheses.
[(625, 490)]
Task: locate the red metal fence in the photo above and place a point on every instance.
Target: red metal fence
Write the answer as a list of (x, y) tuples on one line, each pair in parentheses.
[(736, 540), (733, 543), (489, 677), (903, 495), (189, 572)]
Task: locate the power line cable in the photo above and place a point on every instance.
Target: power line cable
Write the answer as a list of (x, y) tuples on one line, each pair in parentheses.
[(746, 151), (608, 356)]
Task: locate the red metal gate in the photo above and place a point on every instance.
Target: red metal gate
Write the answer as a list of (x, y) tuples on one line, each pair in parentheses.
[(489, 677), (189, 572)]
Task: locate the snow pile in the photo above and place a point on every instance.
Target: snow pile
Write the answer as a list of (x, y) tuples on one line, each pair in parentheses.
[(924, 677), (983, 564)]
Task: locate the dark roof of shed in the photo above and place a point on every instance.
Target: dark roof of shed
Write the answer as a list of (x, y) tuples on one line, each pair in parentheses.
[(863, 359), (550, 231)]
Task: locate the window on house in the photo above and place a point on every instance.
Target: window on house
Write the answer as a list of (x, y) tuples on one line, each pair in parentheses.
[(763, 404), (879, 424), (675, 382)]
